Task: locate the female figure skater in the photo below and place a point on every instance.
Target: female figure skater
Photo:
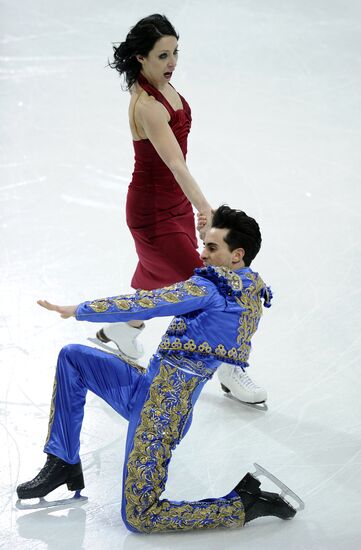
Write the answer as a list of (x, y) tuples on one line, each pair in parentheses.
[(162, 191)]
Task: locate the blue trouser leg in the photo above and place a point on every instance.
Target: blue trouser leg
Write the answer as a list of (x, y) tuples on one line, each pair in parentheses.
[(158, 406), (155, 428), (79, 369)]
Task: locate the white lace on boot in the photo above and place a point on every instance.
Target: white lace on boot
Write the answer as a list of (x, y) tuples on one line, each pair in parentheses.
[(124, 337), (233, 379)]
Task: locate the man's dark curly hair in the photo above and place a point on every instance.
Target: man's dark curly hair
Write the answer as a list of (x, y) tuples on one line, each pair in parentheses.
[(243, 231)]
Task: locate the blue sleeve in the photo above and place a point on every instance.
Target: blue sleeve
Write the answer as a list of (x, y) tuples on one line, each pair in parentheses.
[(191, 295)]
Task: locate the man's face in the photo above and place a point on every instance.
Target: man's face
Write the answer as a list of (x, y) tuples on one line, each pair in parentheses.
[(216, 251)]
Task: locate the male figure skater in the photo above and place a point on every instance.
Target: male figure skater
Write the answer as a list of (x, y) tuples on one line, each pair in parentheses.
[(216, 313)]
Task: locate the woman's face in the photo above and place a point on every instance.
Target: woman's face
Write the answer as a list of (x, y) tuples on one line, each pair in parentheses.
[(161, 61)]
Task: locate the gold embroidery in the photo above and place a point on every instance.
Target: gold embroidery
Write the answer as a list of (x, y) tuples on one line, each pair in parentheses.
[(177, 344), (193, 289), (165, 343), (232, 353), (52, 410), (190, 345), (198, 367), (142, 292), (171, 287), (123, 304), (99, 306), (220, 350), (125, 359), (171, 297), (251, 304), (204, 348), (233, 279), (145, 302), (237, 356), (177, 326), (150, 298), (162, 421)]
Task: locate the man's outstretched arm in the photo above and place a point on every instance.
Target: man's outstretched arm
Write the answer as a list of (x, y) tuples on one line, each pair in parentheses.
[(191, 295)]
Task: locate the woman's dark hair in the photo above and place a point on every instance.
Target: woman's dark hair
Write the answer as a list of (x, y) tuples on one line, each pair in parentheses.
[(140, 40), (243, 231)]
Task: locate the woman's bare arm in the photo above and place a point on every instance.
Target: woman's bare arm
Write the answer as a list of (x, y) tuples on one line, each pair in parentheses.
[(153, 118)]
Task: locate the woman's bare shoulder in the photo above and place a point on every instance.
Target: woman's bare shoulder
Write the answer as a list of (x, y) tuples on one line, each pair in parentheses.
[(148, 108), (145, 111)]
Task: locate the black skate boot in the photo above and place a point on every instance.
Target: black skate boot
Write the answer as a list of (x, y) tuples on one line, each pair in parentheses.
[(55, 472), (259, 503)]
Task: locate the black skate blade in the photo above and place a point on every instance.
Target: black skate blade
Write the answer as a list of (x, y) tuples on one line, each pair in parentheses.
[(262, 406), (296, 502), (76, 500)]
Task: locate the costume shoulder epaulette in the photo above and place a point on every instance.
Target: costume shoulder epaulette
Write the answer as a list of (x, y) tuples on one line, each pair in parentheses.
[(266, 295), (228, 282)]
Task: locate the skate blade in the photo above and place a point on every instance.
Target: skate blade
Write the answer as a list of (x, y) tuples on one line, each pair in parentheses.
[(262, 406), (285, 491), (106, 347), (76, 500), (111, 349)]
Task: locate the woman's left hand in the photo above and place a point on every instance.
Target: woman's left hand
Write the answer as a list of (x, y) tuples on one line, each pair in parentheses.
[(203, 224), (201, 220)]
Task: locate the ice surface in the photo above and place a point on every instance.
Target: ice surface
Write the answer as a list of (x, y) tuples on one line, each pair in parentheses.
[(275, 92)]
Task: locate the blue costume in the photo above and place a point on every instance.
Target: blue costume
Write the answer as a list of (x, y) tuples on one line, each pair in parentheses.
[(216, 313)]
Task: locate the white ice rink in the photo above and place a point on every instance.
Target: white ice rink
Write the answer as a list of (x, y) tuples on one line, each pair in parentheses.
[(274, 87)]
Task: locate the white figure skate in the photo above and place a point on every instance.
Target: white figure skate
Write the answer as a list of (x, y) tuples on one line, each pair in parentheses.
[(123, 336), (236, 383)]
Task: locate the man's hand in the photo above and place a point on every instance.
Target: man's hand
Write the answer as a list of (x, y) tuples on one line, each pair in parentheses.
[(65, 311)]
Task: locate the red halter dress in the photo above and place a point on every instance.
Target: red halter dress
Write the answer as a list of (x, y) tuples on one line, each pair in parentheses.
[(159, 215)]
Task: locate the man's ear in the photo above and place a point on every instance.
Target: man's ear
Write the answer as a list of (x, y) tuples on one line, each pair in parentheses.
[(238, 255)]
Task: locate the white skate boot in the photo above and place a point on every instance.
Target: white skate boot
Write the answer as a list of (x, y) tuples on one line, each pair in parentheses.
[(124, 337), (237, 383)]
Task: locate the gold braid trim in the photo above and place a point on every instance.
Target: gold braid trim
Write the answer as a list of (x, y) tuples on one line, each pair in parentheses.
[(52, 410), (162, 421), (147, 299), (250, 301), (220, 352)]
